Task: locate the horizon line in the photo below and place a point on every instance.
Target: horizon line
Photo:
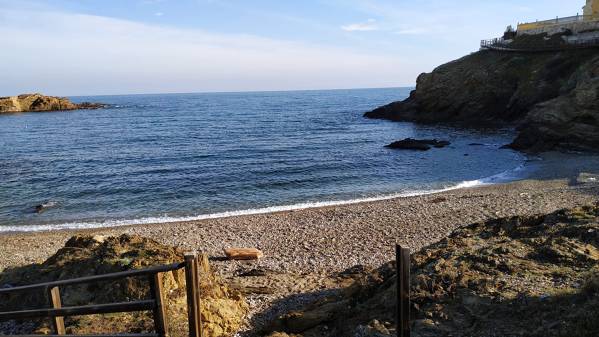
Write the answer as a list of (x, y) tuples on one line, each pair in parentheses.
[(231, 92)]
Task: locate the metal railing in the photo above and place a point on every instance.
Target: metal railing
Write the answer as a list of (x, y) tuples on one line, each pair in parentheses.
[(500, 44), (560, 21), (156, 303)]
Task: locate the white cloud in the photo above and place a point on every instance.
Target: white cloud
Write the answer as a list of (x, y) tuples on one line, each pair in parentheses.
[(367, 26), (158, 14), (70, 54)]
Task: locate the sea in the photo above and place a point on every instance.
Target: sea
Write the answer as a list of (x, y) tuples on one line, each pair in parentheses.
[(171, 157)]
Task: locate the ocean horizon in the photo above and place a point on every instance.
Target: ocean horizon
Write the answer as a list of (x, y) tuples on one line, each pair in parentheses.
[(152, 158)]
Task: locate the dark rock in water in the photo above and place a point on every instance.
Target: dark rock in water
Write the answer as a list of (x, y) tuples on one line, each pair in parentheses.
[(552, 98), (418, 144), (439, 143), (409, 144), (45, 206), (91, 106), (476, 144)]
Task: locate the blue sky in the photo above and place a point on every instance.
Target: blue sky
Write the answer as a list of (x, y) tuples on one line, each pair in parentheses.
[(84, 47)]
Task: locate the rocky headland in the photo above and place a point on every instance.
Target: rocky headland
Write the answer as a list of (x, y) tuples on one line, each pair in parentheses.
[(42, 103), (551, 97)]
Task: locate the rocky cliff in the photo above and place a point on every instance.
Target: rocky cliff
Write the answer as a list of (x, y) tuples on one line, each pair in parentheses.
[(39, 102), (552, 98)]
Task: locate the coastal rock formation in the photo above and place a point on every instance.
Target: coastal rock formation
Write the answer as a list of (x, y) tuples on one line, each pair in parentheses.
[(551, 97), (39, 103), (518, 276), (223, 309), (418, 144)]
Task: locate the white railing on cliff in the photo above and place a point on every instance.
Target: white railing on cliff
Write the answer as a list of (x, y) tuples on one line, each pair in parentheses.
[(563, 20)]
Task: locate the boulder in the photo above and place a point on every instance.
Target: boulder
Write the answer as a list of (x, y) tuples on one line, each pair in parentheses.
[(418, 144), (45, 206)]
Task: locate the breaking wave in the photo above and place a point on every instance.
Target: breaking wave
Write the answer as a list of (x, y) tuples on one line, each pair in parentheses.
[(503, 177)]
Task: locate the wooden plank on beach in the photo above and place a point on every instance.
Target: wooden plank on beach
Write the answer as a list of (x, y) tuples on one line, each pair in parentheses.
[(243, 253)]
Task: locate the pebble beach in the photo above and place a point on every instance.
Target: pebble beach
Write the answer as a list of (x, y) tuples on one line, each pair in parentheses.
[(330, 238), (305, 249)]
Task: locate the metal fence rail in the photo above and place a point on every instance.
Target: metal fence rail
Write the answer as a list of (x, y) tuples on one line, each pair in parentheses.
[(156, 303), (562, 20), (500, 44)]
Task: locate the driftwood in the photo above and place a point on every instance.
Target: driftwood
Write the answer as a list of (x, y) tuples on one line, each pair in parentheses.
[(243, 253)]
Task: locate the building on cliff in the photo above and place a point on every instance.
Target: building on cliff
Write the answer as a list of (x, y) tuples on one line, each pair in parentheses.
[(589, 20), (574, 32), (591, 9)]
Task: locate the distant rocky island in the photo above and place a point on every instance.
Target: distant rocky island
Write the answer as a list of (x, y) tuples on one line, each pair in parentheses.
[(42, 103), (552, 98)]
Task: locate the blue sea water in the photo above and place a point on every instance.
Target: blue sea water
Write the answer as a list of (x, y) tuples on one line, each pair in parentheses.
[(160, 158)]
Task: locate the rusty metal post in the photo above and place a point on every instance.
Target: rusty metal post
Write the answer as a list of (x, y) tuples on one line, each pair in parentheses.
[(198, 294), (402, 258)]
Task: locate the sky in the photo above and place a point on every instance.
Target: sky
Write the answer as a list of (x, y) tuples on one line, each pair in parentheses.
[(99, 47)]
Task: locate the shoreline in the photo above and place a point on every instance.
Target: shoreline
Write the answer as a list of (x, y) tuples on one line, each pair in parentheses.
[(500, 178), (313, 238), (305, 250), (545, 166), (75, 226)]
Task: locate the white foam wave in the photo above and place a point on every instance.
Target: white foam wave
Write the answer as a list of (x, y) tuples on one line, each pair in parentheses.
[(503, 177)]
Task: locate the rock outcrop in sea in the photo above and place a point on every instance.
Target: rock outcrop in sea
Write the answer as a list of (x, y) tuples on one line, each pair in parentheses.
[(40, 103), (418, 144), (551, 97)]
